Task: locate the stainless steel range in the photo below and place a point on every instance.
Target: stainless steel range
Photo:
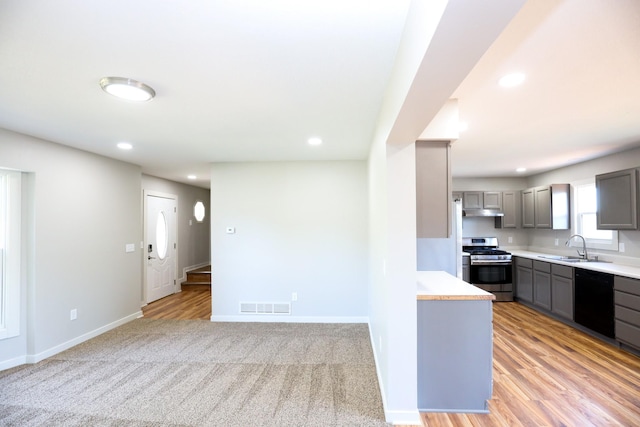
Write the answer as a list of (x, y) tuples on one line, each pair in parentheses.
[(490, 267)]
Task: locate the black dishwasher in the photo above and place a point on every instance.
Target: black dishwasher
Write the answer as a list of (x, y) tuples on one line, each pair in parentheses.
[(594, 301)]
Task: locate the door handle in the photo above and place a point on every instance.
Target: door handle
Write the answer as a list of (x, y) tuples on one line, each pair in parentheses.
[(151, 257)]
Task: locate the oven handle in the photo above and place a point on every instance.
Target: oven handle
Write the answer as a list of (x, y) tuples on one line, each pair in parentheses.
[(489, 262)]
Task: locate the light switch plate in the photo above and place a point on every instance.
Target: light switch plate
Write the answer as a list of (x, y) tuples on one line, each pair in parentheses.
[(130, 247)]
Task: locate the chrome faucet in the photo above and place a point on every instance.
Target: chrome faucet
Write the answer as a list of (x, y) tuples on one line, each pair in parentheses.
[(583, 255)]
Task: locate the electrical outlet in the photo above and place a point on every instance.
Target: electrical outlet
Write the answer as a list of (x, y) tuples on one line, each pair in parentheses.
[(73, 314), (621, 247), (557, 242), (510, 239), (294, 296)]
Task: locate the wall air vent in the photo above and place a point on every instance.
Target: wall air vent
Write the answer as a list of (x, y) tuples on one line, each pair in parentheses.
[(265, 308)]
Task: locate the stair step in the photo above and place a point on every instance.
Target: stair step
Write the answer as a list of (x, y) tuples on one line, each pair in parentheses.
[(199, 276), (192, 283)]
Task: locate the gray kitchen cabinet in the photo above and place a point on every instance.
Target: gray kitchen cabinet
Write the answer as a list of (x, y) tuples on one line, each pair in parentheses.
[(510, 208), (528, 208), (562, 290), (482, 200), (546, 206), (455, 355), (433, 189), (466, 268), (542, 284), (627, 310), (473, 200), (492, 200), (617, 203), (524, 279)]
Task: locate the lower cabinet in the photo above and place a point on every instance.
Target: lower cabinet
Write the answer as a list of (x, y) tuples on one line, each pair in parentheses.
[(627, 310), (542, 284), (562, 291), (466, 269), (524, 279), (545, 285)]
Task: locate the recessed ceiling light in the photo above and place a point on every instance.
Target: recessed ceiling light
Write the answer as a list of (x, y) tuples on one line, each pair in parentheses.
[(511, 80), (128, 89), (315, 141), (192, 177), (124, 146), (520, 170)]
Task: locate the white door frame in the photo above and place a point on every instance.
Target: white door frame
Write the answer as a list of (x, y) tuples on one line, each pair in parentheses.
[(174, 197)]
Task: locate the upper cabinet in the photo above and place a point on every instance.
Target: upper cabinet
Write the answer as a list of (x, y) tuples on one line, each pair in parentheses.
[(510, 208), (546, 206), (482, 200), (617, 204), (472, 200), (492, 199), (433, 189), (528, 208)]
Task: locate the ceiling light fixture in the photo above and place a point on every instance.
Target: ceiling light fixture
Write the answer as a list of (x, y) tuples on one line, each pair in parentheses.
[(128, 89), (520, 170), (124, 146), (511, 80), (192, 177), (315, 141)]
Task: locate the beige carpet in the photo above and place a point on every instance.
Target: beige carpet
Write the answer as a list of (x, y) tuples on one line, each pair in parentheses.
[(198, 373)]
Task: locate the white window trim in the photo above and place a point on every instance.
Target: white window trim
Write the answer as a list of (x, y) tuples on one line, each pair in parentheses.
[(609, 245), (10, 259)]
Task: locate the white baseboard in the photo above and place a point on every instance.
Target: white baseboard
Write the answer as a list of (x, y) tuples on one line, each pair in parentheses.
[(265, 318), (392, 417), (35, 358), (411, 418), (12, 363)]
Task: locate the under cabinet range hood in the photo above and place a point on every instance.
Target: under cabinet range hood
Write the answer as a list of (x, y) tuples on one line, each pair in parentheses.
[(481, 212)]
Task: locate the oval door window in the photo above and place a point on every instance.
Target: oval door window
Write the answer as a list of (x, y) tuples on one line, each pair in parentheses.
[(162, 235)]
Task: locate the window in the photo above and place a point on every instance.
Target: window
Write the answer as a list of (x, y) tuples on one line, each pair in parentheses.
[(198, 211), (10, 228), (585, 218), (162, 235)]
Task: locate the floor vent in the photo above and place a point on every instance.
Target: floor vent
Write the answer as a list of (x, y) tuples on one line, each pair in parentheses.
[(265, 308)]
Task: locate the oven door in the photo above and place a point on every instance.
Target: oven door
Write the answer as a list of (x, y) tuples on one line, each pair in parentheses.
[(490, 273)]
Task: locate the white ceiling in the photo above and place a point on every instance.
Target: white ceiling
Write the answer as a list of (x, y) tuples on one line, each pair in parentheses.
[(580, 99), (252, 80)]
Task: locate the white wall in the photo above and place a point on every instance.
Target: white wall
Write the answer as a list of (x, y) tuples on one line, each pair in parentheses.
[(81, 211), (194, 243), (299, 227)]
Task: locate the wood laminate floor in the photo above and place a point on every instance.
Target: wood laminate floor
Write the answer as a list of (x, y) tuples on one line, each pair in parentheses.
[(545, 373), (194, 302)]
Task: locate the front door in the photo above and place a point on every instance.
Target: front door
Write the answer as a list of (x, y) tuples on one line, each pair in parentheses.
[(160, 245)]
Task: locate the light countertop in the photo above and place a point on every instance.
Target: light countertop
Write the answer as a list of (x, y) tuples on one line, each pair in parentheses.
[(605, 267), (440, 285)]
